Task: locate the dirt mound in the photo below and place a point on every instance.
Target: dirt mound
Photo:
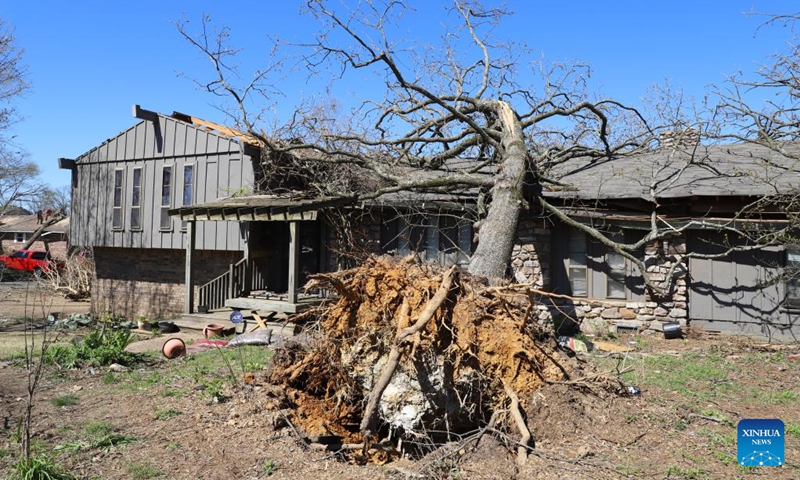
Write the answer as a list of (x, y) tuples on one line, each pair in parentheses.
[(434, 351)]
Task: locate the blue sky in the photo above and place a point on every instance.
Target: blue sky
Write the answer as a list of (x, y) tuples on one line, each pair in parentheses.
[(89, 61)]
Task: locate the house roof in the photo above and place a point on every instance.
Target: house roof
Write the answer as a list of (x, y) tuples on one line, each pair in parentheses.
[(260, 208), (142, 141), (725, 170), (27, 224)]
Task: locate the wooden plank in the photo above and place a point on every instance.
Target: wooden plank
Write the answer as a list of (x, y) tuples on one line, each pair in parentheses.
[(191, 230), (294, 260), (269, 305)]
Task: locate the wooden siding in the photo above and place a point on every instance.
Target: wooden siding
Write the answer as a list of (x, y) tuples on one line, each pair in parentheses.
[(220, 168), (741, 287)]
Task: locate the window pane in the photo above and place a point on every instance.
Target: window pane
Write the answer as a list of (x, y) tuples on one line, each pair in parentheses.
[(39, 255), (166, 187), (577, 279), (577, 248), (432, 240), (117, 222), (166, 222), (615, 285), (188, 184), (792, 273), (135, 218), (137, 187), (118, 178)]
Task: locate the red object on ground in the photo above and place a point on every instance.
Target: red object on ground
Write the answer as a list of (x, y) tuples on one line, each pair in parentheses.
[(794, 356)]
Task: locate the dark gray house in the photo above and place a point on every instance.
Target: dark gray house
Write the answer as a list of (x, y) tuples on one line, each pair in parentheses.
[(170, 210), (724, 206), (122, 191)]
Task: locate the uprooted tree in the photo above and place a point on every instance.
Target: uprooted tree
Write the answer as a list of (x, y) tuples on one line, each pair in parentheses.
[(471, 114), (461, 104)]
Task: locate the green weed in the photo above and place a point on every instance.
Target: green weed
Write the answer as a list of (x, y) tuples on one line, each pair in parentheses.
[(64, 401), (269, 468), (675, 471), (793, 429), (143, 471), (98, 428), (40, 467), (168, 413)]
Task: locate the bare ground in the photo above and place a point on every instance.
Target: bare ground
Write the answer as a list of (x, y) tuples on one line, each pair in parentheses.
[(681, 425)]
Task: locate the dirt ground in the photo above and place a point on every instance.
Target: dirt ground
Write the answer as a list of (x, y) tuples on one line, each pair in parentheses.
[(169, 422)]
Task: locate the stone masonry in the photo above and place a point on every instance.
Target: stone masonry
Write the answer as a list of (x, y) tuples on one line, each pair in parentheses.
[(530, 264)]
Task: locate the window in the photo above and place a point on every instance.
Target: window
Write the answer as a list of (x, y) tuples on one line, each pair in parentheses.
[(20, 237), (166, 197), (792, 275), (615, 277), (188, 188), (39, 255), (136, 200), (119, 183), (577, 263), (446, 239), (596, 271)]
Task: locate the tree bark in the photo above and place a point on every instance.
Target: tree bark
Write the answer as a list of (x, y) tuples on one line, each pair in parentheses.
[(35, 236), (497, 231)]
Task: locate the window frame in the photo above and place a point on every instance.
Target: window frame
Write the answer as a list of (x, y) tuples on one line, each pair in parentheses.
[(618, 237), (24, 236), (137, 205), (120, 209), (791, 281), (585, 267), (164, 208), (183, 189), (596, 252)]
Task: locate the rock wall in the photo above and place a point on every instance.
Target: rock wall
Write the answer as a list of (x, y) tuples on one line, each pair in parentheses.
[(530, 263)]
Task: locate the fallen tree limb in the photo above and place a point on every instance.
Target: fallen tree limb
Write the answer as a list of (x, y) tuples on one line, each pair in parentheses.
[(369, 423)]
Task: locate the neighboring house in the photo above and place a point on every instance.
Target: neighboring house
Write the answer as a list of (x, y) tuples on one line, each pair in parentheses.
[(16, 230), (169, 210)]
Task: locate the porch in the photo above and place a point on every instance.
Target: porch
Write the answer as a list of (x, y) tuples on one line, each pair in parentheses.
[(250, 284)]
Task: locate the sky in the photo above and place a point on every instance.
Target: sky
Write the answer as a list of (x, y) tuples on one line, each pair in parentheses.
[(90, 61)]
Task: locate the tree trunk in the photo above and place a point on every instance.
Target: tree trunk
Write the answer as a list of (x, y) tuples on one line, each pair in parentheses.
[(498, 230), (50, 221)]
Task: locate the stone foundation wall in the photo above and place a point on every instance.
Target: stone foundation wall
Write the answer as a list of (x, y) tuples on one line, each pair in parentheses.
[(132, 282)]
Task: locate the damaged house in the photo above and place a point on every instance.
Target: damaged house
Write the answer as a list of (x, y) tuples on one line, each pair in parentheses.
[(169, 208)]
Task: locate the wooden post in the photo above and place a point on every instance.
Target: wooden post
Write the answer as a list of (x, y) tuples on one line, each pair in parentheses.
[(231, 283), (191, 234), (294, 260)]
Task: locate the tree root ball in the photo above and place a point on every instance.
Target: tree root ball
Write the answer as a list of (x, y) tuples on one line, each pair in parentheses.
[(452, 374)]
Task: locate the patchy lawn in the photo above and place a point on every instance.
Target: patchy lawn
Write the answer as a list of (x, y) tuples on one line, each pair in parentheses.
[(184, 419)]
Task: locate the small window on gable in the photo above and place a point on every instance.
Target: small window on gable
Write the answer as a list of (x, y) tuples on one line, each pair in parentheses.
[(136, 200), (20, 237), (166, 197), (119, 194), (792, 276)]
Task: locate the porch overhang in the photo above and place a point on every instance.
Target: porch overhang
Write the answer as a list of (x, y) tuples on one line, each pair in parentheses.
[(260, 208)]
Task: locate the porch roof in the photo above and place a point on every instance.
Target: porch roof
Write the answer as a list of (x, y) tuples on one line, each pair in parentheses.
[(259, 208)]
